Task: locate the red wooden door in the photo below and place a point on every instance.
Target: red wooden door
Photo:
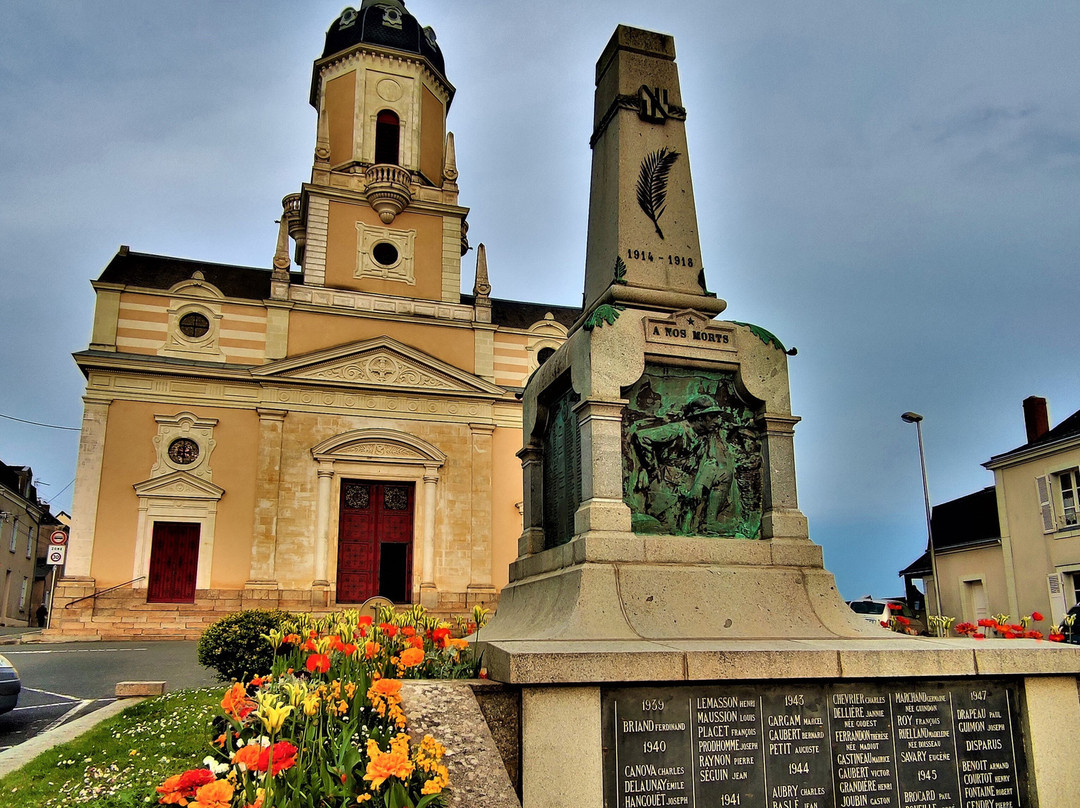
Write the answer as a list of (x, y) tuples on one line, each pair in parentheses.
[(174, 563), (375, 541)]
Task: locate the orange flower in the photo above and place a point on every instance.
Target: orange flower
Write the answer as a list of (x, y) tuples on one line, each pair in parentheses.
[(383, 765), (236, 703), (348, 649), (387, 688), (248, 755), (217, 794), (458, 643), (371, 649), (411, 657)]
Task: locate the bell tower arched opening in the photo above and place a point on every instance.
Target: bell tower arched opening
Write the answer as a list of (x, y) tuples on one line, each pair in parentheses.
[(387, 138)]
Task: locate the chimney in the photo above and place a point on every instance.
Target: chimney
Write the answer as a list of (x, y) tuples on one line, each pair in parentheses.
[(1036, 417)]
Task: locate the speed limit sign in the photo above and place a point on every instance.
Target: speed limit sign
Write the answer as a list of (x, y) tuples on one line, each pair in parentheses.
[(58, 537), (57, 554)]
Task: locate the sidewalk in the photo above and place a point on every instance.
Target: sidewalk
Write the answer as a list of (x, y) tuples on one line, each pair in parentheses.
[(13, 635)]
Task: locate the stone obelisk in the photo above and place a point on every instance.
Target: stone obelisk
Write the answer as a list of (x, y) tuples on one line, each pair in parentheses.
[(659, 466)]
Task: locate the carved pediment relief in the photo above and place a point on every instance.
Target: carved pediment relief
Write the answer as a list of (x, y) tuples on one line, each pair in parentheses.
[(179, 485), (380, 363), (382, 445)]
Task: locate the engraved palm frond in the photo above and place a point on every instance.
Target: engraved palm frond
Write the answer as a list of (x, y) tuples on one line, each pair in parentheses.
[(652, 184)]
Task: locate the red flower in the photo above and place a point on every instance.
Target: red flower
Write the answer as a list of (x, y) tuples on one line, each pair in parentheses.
[(194, 778), (1055, 637), (365, 620), (440, 635), (348, 649), (389, 629), (986, 622), (884, 623), (978, 635), (408, 631), (284, 755), (1036, 616), (318, 663)]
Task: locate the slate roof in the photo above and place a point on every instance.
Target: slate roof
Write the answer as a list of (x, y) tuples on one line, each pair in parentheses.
[(252, 283), (163, 272), (967, 521), (1068, 428)]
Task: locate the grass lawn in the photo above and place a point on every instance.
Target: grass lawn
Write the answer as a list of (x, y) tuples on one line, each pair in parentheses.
[(120, 762)]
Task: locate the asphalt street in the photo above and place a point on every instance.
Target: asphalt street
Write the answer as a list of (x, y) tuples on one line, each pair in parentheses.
[(63, 681)]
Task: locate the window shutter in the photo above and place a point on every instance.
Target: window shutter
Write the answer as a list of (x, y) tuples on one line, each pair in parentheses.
[(1057, 598), (1043, 486)]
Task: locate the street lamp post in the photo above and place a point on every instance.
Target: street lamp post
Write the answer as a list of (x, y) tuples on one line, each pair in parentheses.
[(915, 418)]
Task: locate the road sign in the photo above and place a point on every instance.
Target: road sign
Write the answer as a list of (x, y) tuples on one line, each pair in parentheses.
[(57, 555), (58, 537)]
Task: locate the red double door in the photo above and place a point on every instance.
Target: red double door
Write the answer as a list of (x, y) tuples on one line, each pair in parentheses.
[(174, 562), (375, 541)]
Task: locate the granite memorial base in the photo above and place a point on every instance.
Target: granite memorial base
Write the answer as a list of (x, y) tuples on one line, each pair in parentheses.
[(898, 722)]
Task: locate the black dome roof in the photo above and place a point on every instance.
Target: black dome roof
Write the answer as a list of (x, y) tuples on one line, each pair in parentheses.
[(386, 24)]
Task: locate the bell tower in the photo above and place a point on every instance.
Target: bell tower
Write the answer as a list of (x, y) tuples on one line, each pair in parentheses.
[(380, 215)]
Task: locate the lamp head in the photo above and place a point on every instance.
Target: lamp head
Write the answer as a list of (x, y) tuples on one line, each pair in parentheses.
[(911, 417)]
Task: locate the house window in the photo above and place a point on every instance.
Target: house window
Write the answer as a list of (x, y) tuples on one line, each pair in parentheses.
[(14, 535), (387, 135), (29, 540), (22, 595), (1069, 482)]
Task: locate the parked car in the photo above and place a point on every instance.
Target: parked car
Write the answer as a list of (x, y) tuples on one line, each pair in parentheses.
[(10, 685), (872, 611), (880, 611)]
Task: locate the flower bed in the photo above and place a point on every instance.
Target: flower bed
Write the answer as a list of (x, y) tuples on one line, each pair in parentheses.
[(325, 727)]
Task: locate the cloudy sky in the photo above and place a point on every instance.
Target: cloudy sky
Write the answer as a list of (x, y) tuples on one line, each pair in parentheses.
[(890, 187)]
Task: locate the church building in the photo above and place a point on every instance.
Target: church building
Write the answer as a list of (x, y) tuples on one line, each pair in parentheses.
[(342, 425)]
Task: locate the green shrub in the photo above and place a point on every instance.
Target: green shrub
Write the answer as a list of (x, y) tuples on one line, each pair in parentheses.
[(234, 646)]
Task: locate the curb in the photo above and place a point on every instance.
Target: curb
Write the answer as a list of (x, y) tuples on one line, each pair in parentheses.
[(18, 756)]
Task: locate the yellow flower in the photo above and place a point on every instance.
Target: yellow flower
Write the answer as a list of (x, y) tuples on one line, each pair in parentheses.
[(274, 717), (311, 704)]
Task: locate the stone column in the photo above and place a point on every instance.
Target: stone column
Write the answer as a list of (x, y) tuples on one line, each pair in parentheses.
[(480, 589), (322, 522), (87, 489), (781, 517), (532, 505), (429, 595), (602, 506), (262, 583)]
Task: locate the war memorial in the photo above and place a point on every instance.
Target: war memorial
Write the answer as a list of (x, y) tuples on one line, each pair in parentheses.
[(671, 628)]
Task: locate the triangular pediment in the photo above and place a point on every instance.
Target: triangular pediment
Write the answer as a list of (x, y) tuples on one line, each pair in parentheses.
[(179, 485), (378, 363)]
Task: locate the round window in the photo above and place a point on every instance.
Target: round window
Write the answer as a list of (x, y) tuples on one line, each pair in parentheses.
[(543, 355), (385, 253), (194, 324), (183, 451)]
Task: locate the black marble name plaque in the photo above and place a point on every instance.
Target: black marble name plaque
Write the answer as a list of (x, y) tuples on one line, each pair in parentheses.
[(852, 745)]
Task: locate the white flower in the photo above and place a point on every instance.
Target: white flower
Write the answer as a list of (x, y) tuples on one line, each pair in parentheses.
[(214, 765)]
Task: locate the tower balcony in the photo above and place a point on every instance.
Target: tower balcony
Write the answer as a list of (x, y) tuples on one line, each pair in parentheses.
[(290, 211), (388, 190)]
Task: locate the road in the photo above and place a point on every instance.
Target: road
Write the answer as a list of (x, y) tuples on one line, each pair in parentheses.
[(65, 680)]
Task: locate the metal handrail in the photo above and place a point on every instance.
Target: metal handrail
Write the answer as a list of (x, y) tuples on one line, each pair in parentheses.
[(102, 592)]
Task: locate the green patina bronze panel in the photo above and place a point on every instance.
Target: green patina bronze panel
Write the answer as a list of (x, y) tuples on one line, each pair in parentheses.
[(691, 455), (562, 470)]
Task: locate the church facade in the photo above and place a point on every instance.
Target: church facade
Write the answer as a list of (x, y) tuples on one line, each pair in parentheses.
[(341, 426)]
